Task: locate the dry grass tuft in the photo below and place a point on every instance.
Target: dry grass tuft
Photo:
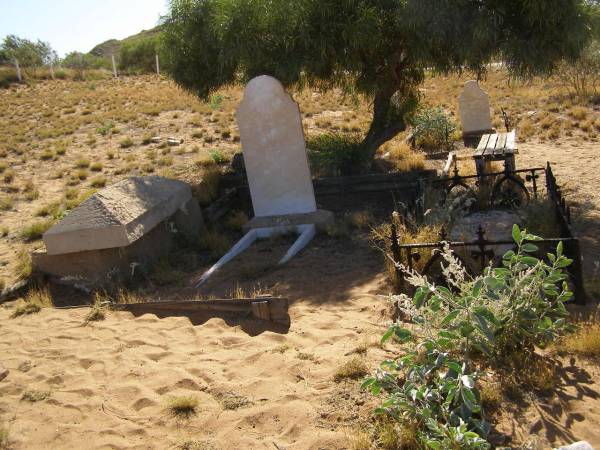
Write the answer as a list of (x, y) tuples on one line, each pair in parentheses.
[(361, 220), (35, 396), (5, 443), (23, 266), (585, 341), (97, 311), (353, 369), (125, 297), (182, 407), (34, 301), (235, 220), (215, 242), (35, 230)]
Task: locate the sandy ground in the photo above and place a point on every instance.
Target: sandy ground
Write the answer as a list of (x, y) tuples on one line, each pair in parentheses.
[(109, 381), (576, 165), (258, 386)]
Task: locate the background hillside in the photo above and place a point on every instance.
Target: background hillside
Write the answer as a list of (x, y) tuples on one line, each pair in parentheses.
[(113, 46)]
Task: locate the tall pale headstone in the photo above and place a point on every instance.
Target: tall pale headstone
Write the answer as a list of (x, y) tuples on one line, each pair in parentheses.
[(277, 167), (274, 150), (474, 106)]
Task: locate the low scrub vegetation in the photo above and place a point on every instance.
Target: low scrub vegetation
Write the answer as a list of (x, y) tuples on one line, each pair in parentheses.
[(334, 154), (182, 407), (456, 333), (34, 301)]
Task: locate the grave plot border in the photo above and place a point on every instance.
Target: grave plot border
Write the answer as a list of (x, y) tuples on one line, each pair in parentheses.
[(483, 249)]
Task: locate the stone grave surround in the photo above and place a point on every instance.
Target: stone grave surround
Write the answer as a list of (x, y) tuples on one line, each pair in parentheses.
[(277, 167), (130, 222), (474, 106)]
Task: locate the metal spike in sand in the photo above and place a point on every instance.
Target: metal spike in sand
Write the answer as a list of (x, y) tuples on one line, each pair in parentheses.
[(307, 233), (276, 163)]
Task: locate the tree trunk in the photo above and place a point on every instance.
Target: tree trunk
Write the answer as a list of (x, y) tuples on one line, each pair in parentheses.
[(385, 124)]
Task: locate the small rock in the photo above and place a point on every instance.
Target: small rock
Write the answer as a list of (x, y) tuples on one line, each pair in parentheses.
[(3, 372), (581, 445), (174, 141)]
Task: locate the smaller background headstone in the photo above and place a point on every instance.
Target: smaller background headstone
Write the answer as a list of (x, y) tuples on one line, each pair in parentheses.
[(474, 106)]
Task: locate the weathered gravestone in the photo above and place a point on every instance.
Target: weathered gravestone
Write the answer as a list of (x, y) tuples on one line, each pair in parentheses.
[(130, 222), (474, 106), (274, 150), (276, 164)]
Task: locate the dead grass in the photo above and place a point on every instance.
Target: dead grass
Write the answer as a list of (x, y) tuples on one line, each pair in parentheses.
[(385, 434), (182, 408), (34, 301), (353, 369), (235, 220), (34, 396), (5, 442), (254, 292), (23, 266), (98, 309), (138, 108), (215, 242), (35, 230), (585, 341), (126, 297)]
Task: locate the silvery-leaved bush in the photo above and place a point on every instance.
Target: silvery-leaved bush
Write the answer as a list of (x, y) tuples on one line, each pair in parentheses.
[(505, 310)]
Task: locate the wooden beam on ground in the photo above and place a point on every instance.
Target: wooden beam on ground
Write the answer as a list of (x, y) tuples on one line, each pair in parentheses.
[(274, 309)]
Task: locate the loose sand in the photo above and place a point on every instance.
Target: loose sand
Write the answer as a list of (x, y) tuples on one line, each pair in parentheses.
[(258, 385)]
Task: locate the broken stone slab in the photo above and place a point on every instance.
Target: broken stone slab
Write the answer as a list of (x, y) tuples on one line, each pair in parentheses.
[(581, 445), (497, 225), (118, 215)]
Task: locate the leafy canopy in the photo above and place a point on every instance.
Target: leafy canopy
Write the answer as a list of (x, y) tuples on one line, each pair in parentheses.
[(377, 48), (28, 53), (365, 44)]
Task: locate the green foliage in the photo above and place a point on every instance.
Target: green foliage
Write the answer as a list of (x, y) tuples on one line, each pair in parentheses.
[(29, 54), (106, 128), (139, 56), (334, 154), (217, 156), (82, 62), (582, 76), (433, 130), (215, 101), (506, 311), (377, 48)]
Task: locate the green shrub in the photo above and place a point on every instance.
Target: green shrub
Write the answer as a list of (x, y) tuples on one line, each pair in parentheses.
[(433, 130), (139, 56), (334, 154), (502, 314), (217, 156)]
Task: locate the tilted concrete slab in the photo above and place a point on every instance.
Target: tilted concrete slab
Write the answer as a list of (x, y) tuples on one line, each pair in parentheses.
[(118, 215)]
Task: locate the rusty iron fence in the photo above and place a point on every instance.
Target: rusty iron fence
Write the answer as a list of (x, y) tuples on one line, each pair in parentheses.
[(484, 251)]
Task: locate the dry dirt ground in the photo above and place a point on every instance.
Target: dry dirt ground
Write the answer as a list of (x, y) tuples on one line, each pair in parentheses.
[(106, 384), (60, 140), (577, 167)]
